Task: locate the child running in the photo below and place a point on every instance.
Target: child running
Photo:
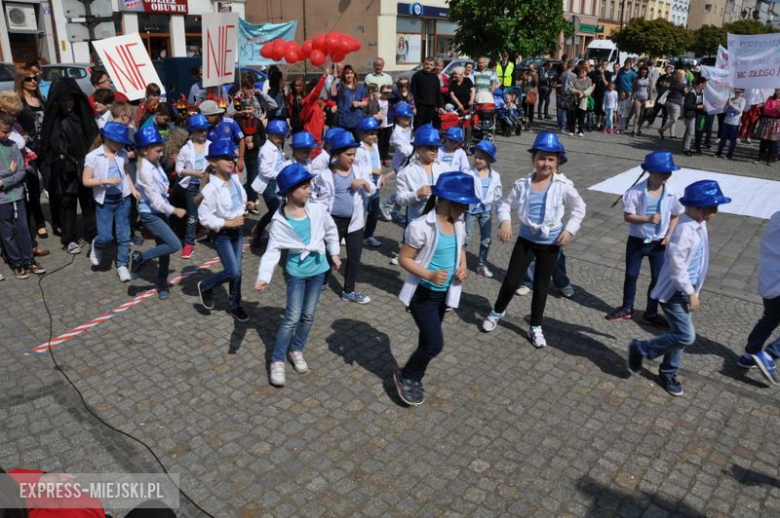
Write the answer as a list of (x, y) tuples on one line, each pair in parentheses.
[(191, 165), (401, 142), (434, 258), (368, 158), (652, 212), (154, 208), (679, 284), (487, 187), (105, 170), (341, 188), (541, 199), (309, 233), (451, 154), (222, 212)]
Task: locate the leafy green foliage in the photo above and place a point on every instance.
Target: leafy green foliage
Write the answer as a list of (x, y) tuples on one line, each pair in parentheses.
[(705, 40), (656, 37), (527, 27)]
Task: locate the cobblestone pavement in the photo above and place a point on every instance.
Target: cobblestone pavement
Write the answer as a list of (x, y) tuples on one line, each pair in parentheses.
[(506, 429)]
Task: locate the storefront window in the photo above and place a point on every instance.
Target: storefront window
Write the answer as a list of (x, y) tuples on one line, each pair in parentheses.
[(444, 46), (156, 34), (192, 25), (408, 47)]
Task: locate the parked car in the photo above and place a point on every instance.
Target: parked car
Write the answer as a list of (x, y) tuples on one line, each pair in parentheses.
[(448, 68), (709, 61), (81, 72), (7, 76)]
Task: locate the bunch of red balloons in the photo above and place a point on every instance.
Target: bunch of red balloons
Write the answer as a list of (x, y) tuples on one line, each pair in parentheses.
[(316, 50)]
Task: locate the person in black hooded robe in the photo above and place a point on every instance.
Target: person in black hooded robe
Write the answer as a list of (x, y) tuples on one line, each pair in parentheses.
[(68, 131)]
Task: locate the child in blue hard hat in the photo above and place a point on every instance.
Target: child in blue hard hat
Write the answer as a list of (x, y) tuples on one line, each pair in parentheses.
[(322, 161), (435, 260), (487, 185), (105, 170), (451, 154), (679, 284), (222, 212), (309, 234), (652, 212), (271, 162), (191, 166), (368, 157), (302, 144), (540, 200)]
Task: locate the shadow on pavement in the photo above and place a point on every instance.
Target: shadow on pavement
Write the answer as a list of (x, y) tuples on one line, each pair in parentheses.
[(611, 501), (750, 477), (577, 340)]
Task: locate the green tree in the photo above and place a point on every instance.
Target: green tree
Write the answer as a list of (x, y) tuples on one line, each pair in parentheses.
[(656, 37), (744, 27), (527, 27), (705, 40)]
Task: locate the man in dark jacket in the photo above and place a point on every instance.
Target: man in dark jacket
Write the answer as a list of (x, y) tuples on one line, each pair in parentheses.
[(425, 90), (693, 113)]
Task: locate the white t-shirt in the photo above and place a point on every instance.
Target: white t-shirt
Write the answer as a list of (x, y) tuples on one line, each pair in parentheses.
[(734, 112)]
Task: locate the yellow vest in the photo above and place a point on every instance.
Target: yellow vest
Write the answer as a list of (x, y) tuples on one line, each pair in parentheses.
[(505, 77)]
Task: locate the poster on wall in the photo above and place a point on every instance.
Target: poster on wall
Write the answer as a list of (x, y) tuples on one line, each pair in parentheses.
[(128, 64), (408, 48)]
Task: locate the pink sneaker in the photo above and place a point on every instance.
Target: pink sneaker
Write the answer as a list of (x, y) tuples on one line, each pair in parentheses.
[(187, 251)]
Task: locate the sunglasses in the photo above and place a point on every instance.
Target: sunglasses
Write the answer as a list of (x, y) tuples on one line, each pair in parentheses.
[(30, 79)]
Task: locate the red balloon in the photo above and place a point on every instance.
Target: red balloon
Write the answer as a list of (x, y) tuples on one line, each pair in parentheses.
[(317, 58), (345, 45), (318, 43), (337, 58), (290, 45), (267, 51), (291, 56), (300, 55), (306, 48), (332, 44), (356, 45)]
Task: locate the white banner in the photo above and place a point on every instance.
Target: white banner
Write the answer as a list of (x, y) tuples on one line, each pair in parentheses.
[(220, 44), (754, 60), (128, 64), (722, 61), (717, 90)]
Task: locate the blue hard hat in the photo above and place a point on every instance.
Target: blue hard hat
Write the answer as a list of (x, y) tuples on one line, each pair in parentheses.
[(197, 122), (368, 124), (487, 147), (277, 127), (454, 133), (117, 132), (148, 136), (341, 140), (549, 143), (457, 187), (330, 132), (303, 139), (659, 162), (290, 176), (426, 135), (222, 148), (704, 193), (403, 109)]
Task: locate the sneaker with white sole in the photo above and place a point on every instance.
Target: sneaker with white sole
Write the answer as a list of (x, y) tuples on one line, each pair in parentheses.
[(278, 377), (537, 338), (394, 260), (567, 291), (491, 321), (372, 242), (299, 364), (355, 297), (94, 254), (484, 271), (767, 365), (746, 361), (73, 248), (123, 273), (523, 290)]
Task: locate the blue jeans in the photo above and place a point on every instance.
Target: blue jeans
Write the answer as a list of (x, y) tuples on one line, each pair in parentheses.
[(483, 219), (303, 293), (609, 118), (728, 132), (671, 345), (192, 213), (562, 114), (636, 250), (764, 329), (559, 277), (371, 205), (228, 244), (115, 210), (427, 308), (166, 240)]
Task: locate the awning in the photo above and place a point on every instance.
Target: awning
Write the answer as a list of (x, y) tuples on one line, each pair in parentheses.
[(588, 28)]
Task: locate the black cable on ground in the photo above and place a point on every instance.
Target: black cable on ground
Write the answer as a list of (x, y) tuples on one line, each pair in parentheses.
[(81, 396)]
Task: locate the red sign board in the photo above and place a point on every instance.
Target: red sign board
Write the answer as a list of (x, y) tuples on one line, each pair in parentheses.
[(154, 6)]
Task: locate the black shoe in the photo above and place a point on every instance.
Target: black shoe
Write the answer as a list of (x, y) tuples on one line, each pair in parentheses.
[(634, 357), (719, 155), (687, 153), (410, 392), (698, 152), (671, 385), (729, 157), (206, 297), (239, 314), (620, 314), (655, 320), (707, 146), (136, 262)]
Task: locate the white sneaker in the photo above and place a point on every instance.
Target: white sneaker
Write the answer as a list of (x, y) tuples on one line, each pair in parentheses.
[(372, 242), (278, 379), (94, 254), (537, 338), (123, 273), (491, 321), (523, 290), (2, 277), (394, 260), (567, 291), (484, 271), (299, 363), (73, 248), (580, 134)]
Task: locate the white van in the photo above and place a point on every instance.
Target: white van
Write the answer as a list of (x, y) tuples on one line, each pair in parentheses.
[(606, 49)]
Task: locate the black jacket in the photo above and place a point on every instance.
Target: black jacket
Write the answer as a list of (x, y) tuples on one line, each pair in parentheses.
[(690, 104), (425, 89)]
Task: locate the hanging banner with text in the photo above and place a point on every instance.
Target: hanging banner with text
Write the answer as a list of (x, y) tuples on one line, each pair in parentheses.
[(717, 91), (220, 39), (754, 60), (128, 64), (252, 37)]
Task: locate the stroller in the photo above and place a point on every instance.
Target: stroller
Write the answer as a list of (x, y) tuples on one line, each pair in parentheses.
[(509, 120), (484, 121)]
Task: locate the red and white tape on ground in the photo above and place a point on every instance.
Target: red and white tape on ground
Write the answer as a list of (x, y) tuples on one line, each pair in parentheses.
[(76, 331)]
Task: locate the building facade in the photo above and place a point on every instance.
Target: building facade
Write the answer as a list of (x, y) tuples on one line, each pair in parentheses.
[(615, 13), (584, 15), (679, 15), (659, 9), (706, 12)]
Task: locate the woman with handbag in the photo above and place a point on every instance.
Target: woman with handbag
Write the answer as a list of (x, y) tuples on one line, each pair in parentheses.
[(531, 93)]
